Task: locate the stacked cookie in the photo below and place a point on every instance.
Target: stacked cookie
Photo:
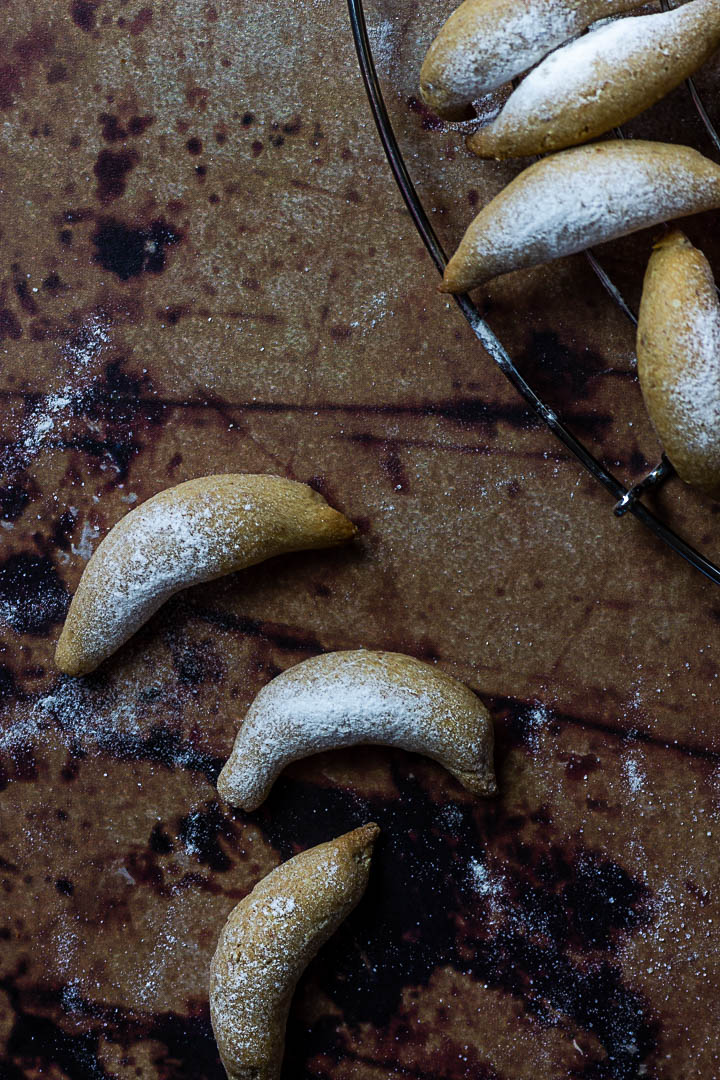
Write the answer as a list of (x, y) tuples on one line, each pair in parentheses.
[(572, 200)]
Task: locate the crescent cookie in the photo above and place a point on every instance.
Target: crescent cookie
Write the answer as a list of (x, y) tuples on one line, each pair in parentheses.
[(268, 941), (485, 43), (678, 351), (601, 80), (359, 697), (187, 534), (577, 198)]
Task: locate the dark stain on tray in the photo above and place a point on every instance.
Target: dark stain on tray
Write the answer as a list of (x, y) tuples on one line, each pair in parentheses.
[(129, 252), (82, 13), (542, 928), (111, 170), (39, 1039)]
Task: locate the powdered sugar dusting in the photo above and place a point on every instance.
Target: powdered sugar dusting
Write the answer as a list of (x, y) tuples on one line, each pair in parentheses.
[(538, 718), (694, 393), (482, 881), (382, 41), (634, 773), (53, 413)]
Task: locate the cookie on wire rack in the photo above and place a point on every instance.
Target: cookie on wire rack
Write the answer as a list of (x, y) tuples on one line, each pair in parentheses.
[(577, 198), (678, 352), (486, 43), (601, 80)]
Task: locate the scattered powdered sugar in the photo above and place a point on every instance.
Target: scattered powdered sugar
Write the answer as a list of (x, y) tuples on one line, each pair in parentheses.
[(382, 42), (372, 311), (86, 544), (634, 774), (482, 881), (75, 717), (537, 720), (87, 343), (53, 413), (167, 951), (281, 906), (95, 719)]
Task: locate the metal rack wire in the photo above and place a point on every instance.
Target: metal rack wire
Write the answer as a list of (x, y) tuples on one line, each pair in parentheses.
[(627, 500)]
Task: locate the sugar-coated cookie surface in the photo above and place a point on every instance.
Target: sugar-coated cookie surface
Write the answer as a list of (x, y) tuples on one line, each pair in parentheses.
[(601, 80), (678, 351), (569, 201), (187, 534), (349, 698), (485, 43), (268, 941)]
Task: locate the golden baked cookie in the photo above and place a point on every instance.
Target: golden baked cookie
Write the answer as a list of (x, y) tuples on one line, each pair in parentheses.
[(349, 698), (572, 200), (678, 352), (485, 43), (601, 80), (187, 534), (268, 941)]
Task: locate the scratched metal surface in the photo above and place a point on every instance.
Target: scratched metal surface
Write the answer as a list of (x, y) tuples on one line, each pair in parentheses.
[(205, 267)]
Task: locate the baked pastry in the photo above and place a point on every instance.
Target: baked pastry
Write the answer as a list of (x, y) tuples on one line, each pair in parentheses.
[(678, 351), (268, 941), (485, 43), (349, 698), (577, 198), (194, 532), (601, 80)]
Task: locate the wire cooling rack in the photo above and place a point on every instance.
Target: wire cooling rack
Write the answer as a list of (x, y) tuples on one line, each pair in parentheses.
[(627, 500)]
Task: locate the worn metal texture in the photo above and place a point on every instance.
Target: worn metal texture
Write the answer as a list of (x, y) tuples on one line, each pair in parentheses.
[(205, 267)]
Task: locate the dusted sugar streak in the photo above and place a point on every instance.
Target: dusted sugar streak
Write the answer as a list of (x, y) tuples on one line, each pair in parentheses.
[(348, 698), (695, 392)]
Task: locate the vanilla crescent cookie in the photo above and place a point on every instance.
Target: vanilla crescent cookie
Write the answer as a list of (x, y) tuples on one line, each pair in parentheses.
[(485, 43), (359, 697), (572, 200), (601, 80), (678, 352), (268, 941), (191, 533)]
